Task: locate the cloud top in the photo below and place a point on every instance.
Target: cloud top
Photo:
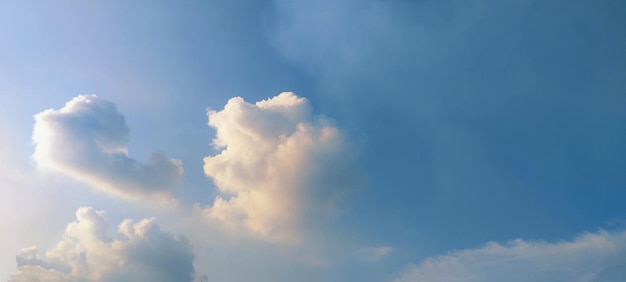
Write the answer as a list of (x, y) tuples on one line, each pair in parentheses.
[(279, 164), (87, 140), (139, 252)]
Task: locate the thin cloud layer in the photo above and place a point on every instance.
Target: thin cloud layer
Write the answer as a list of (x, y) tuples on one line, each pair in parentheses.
[(373, 254), (87, 140), (592, 257), (140, 252), (279, 165)]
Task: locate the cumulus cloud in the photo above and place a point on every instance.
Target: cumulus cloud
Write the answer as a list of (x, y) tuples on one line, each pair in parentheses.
[(87, 140), (279, 164), (597, 257), (140, 252)]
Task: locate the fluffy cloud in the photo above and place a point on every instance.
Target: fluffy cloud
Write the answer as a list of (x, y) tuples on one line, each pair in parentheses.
[(279, 165), (140, 252), (87, 140), (592, 257)]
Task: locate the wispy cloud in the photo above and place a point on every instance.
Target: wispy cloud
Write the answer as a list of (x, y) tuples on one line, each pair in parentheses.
[(597, 256), (87, 140), (373, 253)]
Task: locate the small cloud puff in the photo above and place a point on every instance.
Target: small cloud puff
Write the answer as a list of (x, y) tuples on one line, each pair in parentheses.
[(140, 252), (87, 140), (373, 254), (592, 257), (279, 166)]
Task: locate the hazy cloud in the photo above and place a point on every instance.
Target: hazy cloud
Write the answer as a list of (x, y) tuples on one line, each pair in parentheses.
[(373, 253), (332, 37), (139, 252), (592, 257), (279, 164), (87, 140)]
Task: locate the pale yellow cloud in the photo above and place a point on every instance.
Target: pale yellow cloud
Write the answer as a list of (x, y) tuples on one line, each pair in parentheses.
[(279, 164)]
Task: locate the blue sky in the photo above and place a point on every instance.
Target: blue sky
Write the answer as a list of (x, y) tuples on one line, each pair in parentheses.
[(414, 134)]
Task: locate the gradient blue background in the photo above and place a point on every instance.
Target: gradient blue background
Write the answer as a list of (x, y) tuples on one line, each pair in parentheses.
[(480, 121)]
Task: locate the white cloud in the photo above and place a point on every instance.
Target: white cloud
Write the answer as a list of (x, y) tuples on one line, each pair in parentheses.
[(87, 140), (140, 252), (592, 257), (279, 165), (373, 253)]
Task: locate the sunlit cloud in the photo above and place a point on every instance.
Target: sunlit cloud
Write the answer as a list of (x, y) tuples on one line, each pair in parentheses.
[(141, 251), (87, 140), (278, 166)]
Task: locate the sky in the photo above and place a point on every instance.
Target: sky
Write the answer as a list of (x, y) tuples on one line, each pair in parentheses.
[(330, 140)]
